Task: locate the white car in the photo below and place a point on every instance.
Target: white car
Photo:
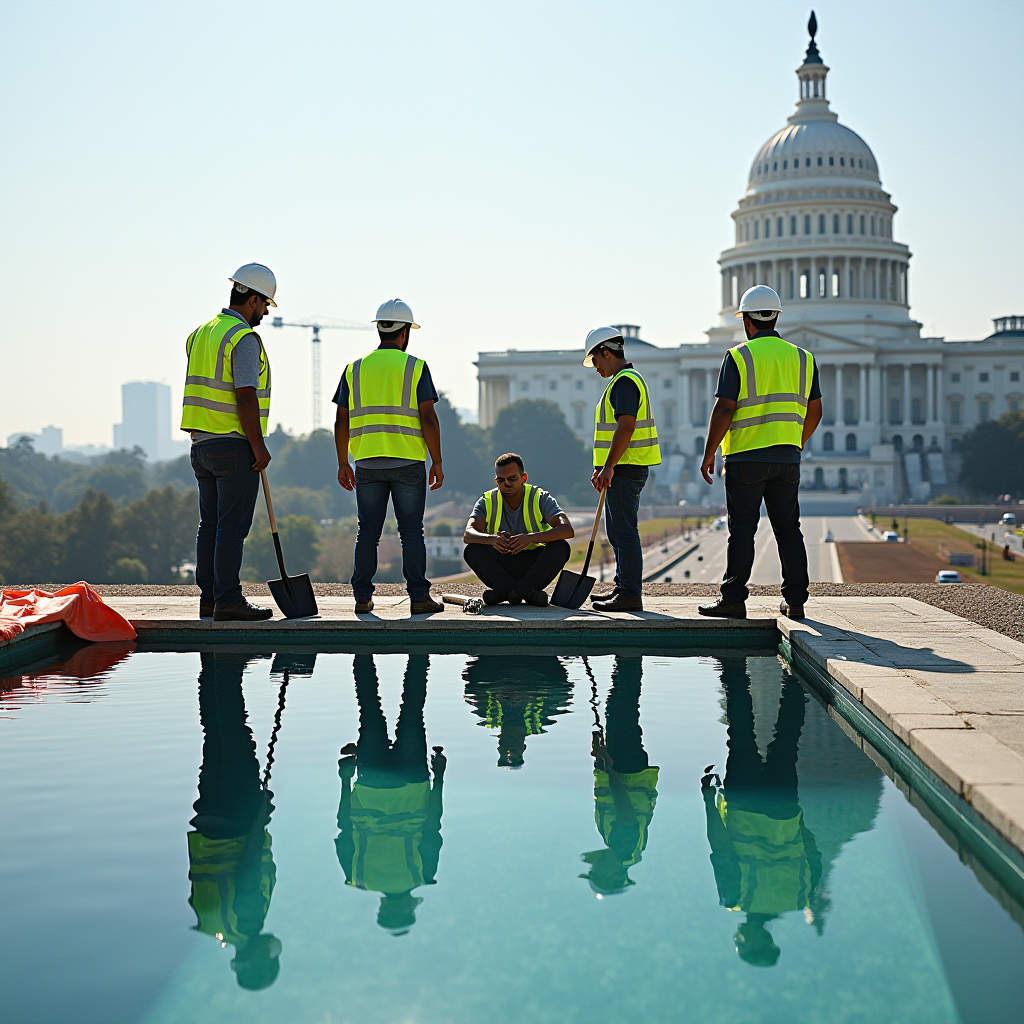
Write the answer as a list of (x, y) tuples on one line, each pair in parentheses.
[(948, 576), (891, 535), (1009, 519)]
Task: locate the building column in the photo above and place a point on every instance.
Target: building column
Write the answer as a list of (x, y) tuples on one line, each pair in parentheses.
[(709, 390), (906, 284), (930, 397), (685, 416), (906, 396), (839, 394), (862, 419), (828, 279), (873, 416)]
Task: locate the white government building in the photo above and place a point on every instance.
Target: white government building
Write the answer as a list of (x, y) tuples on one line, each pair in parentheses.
[(815, 224)]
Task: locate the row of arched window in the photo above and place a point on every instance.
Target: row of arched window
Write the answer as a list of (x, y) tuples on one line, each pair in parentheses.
[(752, 229), (765, 167)]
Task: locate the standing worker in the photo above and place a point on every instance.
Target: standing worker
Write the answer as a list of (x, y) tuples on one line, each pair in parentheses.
[(226, 410), (769, 404), (386, 416), (625, 447)]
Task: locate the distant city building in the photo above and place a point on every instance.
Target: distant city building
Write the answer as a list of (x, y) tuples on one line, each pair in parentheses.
[(816, 225), (49, 441), (146, 421)]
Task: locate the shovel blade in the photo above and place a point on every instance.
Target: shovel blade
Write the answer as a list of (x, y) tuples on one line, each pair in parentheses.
[(572, 589), (294, 596)]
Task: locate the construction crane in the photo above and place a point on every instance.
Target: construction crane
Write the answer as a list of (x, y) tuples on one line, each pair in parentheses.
[(316, 325)]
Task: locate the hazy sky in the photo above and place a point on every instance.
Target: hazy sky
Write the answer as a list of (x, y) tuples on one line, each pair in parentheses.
[(518, 172)]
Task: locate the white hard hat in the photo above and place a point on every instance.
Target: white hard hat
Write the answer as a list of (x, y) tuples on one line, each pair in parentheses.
[(257, 277), (394, 311), (760, 299), (599, 336)]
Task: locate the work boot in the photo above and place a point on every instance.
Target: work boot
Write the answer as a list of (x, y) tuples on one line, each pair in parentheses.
[(364, 607), (240, 611), (514, 598), (618, 603), (206, 607), (493, 597), (538, 598), (427, 606), (724, 610), (792, 611)]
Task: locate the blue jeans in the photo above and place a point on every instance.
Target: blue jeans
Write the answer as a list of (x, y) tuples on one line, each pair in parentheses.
[(228, 489), (621, 510), (407, 488)]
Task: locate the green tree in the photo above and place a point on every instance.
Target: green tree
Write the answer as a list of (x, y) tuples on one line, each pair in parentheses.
[(159, 531), (466, 451), (29, 545), (993, 456), (309, 461), (555, 458), (90, 534), (300, 543)]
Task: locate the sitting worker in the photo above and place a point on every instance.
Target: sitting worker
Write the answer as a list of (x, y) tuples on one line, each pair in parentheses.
[(517, 537)]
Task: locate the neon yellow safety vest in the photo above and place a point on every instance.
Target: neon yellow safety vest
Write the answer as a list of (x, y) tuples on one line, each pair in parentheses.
[(643, 447), (493, 507), (384, 416), (775, 386), (775, 871), (387, 833), (209, 402), (642, 790)]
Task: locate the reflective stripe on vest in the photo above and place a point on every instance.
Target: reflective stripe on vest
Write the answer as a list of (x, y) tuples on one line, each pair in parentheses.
[(209, 402), (384, 416), (494, 506), (775, 387), (643, 448)]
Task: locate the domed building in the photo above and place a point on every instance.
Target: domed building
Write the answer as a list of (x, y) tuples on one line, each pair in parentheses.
[(816, 224)]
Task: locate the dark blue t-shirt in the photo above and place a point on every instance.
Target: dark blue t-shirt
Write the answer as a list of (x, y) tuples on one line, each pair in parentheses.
[(425, 391), (729, 387)]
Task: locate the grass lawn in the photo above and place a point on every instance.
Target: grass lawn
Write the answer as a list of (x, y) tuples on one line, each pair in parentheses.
[(928, 534)]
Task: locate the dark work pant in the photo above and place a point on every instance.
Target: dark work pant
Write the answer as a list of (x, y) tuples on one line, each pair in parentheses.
[(766, 785), (380, 761), (228, 489), (523, 573), (621, 511), (406, 486), (746, 483), (623, 736)]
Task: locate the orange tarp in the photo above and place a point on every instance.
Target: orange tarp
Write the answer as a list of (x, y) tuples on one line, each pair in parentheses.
[(79, 607)]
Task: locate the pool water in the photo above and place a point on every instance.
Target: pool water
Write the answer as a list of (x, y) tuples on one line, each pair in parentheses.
[(472, 837)]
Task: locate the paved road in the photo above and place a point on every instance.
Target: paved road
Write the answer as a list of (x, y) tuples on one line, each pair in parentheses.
[(1003, 535), (707, 563)]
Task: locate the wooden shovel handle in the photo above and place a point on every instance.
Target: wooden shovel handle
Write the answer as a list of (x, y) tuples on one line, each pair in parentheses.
[(597, 518), (270, 507)]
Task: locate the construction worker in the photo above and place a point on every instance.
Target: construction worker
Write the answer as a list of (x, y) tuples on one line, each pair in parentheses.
[(625, 783), (389, 820), (769, 404), (226, 410), (765, 858), (517, 697), (517, 538), (625, 447), (231, 866), (386, 417)]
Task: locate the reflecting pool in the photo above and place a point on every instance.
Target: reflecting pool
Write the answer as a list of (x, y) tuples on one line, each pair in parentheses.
[(230, 835)]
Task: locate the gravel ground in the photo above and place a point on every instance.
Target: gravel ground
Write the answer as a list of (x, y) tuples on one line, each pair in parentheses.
[(990, 607)]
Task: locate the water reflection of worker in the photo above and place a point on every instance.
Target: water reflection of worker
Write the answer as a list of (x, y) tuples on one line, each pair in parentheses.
[(764, 857), (625, 784), (231, 867), (518, 697), (390, 817)]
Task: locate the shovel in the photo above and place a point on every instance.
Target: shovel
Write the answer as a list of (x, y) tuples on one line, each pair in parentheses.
[(573, 588), (293, 594)]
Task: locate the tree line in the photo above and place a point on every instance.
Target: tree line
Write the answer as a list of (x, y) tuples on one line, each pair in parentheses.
[(993, 455)]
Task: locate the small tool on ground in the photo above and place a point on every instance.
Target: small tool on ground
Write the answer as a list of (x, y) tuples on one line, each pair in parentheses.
[(572, 588), (470, 605), (293, 594)]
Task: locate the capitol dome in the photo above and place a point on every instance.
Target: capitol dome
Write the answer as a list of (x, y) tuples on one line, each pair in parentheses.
[(816, 225)]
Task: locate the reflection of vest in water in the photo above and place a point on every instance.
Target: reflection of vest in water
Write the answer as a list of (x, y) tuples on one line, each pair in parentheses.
[(642, 790), (214, 873), (387, 834), (775, 871)]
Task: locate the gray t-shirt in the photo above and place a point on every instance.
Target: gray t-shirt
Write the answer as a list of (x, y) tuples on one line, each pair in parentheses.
[(512, 520), (245, 371)]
